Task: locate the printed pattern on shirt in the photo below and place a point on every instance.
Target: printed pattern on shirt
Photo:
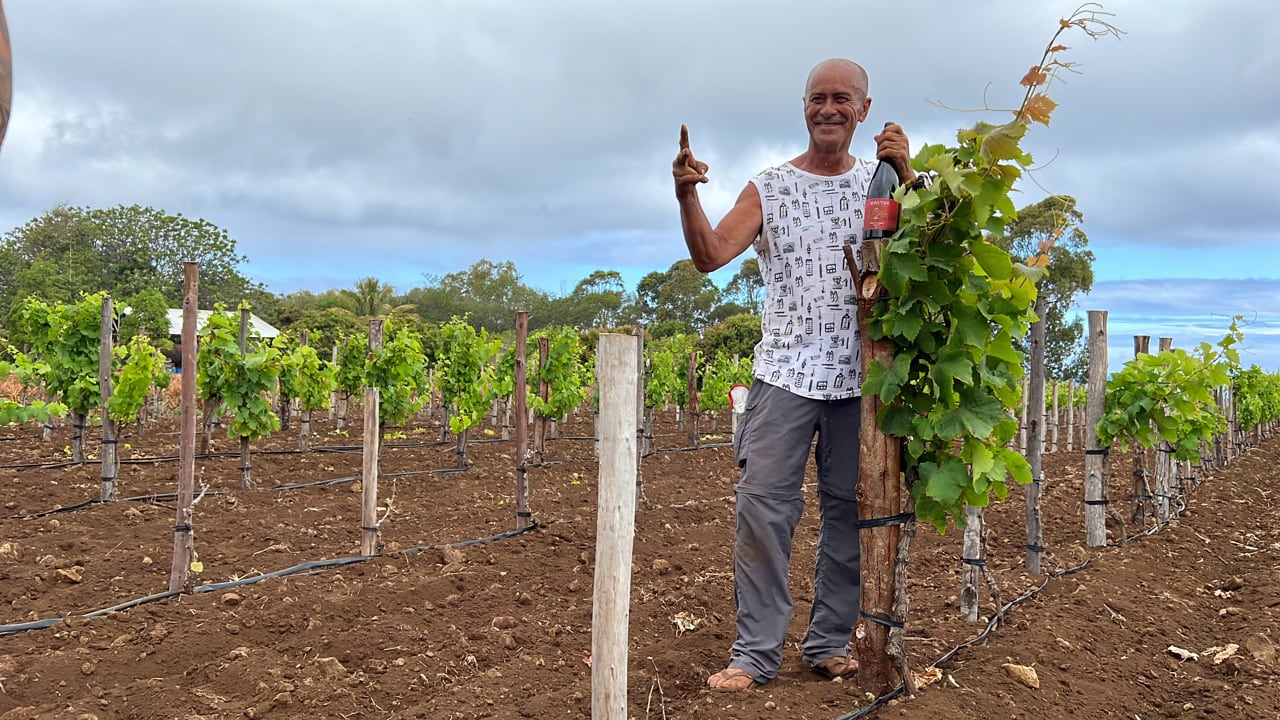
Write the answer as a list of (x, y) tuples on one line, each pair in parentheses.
[(809, 324)]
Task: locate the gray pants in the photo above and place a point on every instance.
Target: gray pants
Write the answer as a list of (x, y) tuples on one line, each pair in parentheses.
[(772, 448)]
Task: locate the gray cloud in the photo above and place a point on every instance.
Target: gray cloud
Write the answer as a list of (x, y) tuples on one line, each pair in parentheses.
[(425, 136)]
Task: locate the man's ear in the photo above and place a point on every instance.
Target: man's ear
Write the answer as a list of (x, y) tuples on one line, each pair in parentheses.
[(866, 108)]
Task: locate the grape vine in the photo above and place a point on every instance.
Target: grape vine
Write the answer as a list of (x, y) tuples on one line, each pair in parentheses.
[(1170, 396), (238, 385), (957, 305), (463, 373)]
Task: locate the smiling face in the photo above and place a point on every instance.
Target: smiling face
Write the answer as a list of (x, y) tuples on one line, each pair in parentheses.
[(835, 102)]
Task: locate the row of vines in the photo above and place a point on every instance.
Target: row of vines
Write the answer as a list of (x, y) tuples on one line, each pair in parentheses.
[(249, 385)]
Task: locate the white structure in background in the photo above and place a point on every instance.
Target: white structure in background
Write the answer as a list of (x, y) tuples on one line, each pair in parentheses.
[(258, 328)]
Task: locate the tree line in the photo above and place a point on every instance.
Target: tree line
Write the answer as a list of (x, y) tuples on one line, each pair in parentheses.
[(136, 253)]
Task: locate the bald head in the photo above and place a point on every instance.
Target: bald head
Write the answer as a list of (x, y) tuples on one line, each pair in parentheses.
[(847, 70)]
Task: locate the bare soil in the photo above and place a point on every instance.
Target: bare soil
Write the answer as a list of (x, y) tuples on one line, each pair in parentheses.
[(502, 629)]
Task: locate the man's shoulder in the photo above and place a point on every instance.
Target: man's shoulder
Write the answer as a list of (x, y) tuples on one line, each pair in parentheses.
[(777, 172)]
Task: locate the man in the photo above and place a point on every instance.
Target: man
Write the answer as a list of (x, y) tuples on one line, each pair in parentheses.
[(6, 74), (807, 373)]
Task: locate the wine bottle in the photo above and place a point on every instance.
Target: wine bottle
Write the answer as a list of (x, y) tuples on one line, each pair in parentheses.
[(880, 218)]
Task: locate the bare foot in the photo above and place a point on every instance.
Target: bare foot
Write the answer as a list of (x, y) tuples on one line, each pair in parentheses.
[(836, 667), (731, 680)]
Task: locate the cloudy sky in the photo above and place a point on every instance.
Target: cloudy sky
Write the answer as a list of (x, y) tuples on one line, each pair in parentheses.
[(403, 138)]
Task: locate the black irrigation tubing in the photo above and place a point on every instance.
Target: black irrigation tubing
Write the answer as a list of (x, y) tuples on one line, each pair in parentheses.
[(155, 498), (309, 568), (992, 624), (866, 710), (140, 460), (168, 497)]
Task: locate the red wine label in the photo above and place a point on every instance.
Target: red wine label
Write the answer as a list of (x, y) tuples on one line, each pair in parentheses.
[(882, 214)]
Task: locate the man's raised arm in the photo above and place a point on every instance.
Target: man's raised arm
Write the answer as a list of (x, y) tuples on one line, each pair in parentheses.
[(712, 248)]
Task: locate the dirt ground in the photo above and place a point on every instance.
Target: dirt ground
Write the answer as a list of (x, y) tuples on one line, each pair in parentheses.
[(502, 629)]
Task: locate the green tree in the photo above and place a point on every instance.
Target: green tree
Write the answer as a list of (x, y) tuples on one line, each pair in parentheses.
[(682, 294), (371, 298), (737, 335), (746, 288), (123, 250), (487, 293), (1053, 226), (147, 311), (595, 301)]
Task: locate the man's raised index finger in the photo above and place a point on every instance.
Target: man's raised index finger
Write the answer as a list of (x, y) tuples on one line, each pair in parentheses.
[(684, 137)]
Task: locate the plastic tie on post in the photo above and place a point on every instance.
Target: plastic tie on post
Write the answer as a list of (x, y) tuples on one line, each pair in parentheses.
[(375, 528), (1103, 501), (524, 514), (887, 622), (976, 562), (1036, 548), (1100, 451), (182, 528), (886, 521)]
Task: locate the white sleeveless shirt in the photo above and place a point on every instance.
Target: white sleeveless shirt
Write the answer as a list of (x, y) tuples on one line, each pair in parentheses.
[(809, 323)]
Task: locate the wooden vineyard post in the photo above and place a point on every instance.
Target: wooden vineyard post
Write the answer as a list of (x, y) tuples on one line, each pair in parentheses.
[(1022, 415), (1034, 448), (107, 490), (616, 370), (182, 532), (640, 430), (1165, 492), (333, 396), (1053, 415), (1229, 435), (1095, 486), (344, 397), (882, 497), (371, 442), (246, 482), (544, 392), (304, 424), (692, 376), (973, 557), (646, 368), (1071, 415), (523, 516), (1141, 491)]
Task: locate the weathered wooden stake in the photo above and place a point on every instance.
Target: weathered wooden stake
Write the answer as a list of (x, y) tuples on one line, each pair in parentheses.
[(1071, 415), (1053, 416), (1165, 492), (304, 425), (182, 530), (246, 482), (370, 529), (640, 417), (692, 377), (544, 392), (107, 490), (1141, 489), (616, 370), (523, 517), (881, 494), (1095, 499), (1034, 439), (972, 557)]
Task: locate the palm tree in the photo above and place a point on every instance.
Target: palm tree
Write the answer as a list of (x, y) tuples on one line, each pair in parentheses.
[(371, 297)]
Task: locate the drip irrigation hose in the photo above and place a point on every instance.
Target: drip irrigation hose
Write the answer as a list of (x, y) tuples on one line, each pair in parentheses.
[(307, 568), (992, 624)]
